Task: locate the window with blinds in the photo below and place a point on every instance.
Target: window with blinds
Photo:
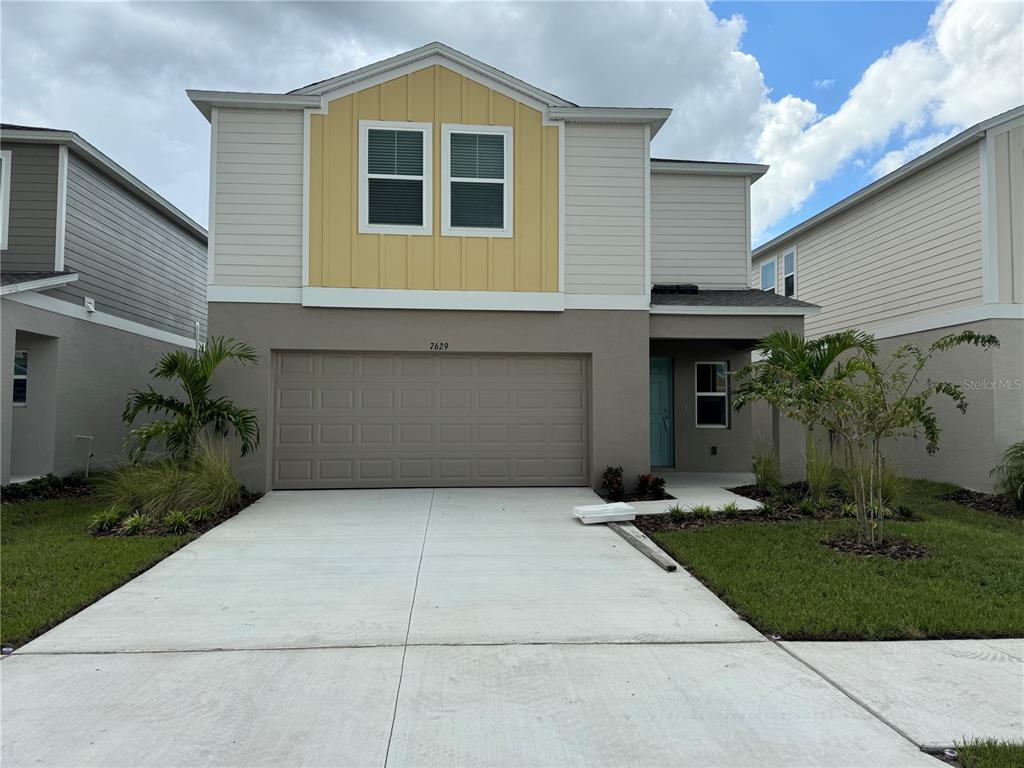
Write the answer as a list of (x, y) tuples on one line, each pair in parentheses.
[(476, 194), (395, 178)]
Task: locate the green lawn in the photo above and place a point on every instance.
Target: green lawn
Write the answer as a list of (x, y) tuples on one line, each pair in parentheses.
[(991, 754), (51, 568), (780, 578)]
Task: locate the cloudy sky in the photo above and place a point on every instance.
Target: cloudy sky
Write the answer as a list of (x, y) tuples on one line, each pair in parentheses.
[(830, 94)]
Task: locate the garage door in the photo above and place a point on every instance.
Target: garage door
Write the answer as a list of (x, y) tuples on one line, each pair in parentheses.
[(409, 420)]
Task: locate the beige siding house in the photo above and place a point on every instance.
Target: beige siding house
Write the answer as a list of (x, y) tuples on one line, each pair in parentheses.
[(935, 247), (454, 277)]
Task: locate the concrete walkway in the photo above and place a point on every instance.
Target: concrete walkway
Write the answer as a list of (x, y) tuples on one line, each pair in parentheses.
[(406, 628), (694, 489)]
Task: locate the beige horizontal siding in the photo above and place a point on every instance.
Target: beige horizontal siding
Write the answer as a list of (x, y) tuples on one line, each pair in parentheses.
[(604, 209), (257, 215), (910, 251)]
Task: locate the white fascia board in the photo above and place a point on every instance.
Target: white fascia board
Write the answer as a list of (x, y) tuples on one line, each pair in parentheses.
[(205, 101), (625, 301), (654, 117), (425, 56), (662, 309), (90, 154), (947, 319), (753, 171), (42, 284), (383, 298), (248, 294), (79, 312)]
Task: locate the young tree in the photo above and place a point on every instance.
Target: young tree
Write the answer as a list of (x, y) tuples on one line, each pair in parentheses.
[(185, 419), (863, 404)]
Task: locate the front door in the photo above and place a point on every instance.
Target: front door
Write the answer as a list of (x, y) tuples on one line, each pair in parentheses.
[(662, 442)]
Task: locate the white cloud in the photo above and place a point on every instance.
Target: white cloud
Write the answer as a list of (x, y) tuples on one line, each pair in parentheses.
[(116, 73), (890, 161), (825, 83), (967, 67)]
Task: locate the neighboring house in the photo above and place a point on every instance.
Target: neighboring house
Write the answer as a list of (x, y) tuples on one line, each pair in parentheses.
[(100, 276), (456, 278), (934, 247)]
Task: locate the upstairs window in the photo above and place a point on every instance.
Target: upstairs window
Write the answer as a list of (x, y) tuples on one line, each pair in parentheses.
[(20, 377), (713, 395), (476, 196), (768, 276), (789, 273), (395, 187)]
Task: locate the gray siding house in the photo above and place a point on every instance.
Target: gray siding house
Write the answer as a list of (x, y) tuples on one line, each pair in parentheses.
[(935, 247), (100, 276)]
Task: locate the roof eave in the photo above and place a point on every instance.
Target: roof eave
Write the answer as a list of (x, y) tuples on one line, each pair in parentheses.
[(753, 171), (42, 284), (652, 116), (205, 101), (683, 309)]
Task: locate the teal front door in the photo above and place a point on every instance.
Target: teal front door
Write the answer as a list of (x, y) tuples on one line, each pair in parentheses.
[(662, 415)]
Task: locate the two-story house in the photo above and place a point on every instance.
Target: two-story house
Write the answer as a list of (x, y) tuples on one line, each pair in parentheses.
[(456, 278), (935, 247), (99, 276)]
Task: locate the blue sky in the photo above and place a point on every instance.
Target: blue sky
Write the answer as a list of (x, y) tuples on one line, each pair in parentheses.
[(744, 79), (801, 44)]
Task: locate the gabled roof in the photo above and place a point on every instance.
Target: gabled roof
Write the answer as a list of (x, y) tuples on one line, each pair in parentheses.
[(425, 52), (29, 134), (312, 96), (945, 149)]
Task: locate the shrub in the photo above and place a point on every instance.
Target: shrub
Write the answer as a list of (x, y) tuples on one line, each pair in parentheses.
[(611, 482), (676, 513), (162, 486), (200, 515), (178, 522), (107, 520), (767, 477), (135, 524), (732, 509), (1010, 475), (650, 486), (703, 511), (821, 477)]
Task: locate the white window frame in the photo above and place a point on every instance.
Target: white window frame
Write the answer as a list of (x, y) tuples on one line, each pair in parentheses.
[(697, 394), (775, 277), (785, 274), (21, 377), (447, 129), (365, 227), (5, 196)]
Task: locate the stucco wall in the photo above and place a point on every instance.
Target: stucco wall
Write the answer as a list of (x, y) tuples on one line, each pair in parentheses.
[(96, 366), (614, 340)]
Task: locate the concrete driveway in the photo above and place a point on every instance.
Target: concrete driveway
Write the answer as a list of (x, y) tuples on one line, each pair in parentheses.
[(421, 627)]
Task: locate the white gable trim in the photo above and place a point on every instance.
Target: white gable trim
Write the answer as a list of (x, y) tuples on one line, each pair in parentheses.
[(426, 56)]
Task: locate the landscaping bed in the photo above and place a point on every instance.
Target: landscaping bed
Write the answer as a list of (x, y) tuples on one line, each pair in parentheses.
[(986, 502), (964, 579)]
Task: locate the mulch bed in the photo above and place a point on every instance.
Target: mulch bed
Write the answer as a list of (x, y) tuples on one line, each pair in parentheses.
[(986, 502), (664, 523), (46, 487), (894, 548), (634, 497), (158, 529)]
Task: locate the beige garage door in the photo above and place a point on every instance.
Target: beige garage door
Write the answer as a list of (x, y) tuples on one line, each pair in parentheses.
[(409, 420)]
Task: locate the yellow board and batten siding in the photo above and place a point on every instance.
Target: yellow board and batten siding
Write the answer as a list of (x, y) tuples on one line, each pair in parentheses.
[(341, 257)]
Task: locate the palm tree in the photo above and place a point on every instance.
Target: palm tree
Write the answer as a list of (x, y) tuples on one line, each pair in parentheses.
[(184, 420)]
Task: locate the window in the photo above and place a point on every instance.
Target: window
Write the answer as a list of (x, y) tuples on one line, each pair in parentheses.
[(713, 395), (395, 187), (20, 376), (476, 186), (5, 194), (768, 275), (789, 273)]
